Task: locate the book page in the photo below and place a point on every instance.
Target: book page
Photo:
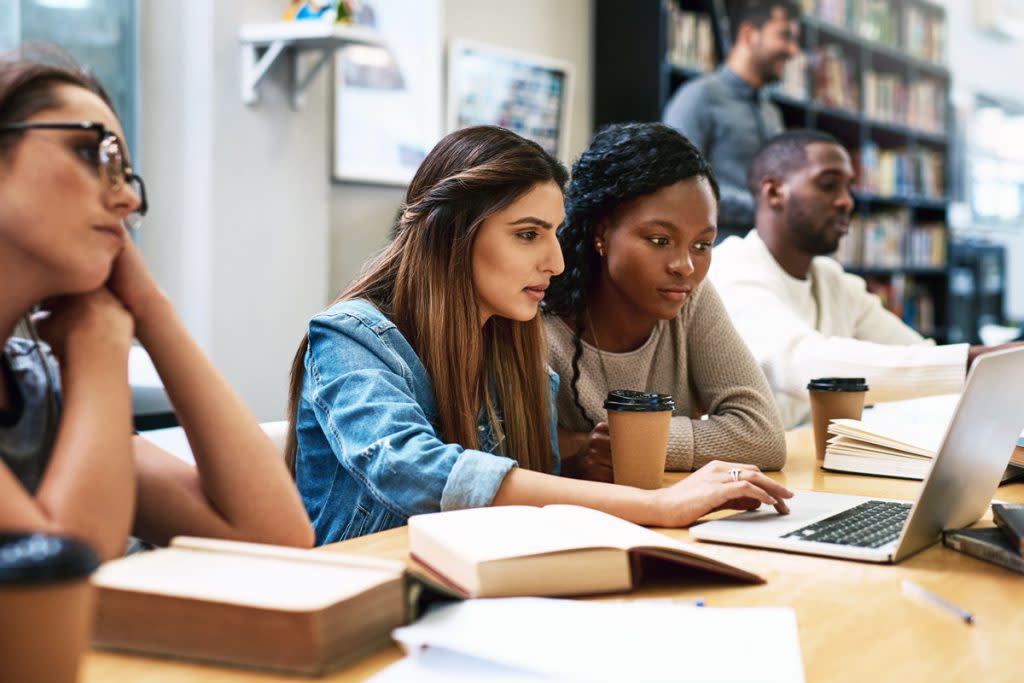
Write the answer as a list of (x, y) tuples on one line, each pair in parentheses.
[(265, 582), (614, 531), (493, 533)]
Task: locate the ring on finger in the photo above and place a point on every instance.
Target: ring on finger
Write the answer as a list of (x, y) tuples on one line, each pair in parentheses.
[(734, 473)]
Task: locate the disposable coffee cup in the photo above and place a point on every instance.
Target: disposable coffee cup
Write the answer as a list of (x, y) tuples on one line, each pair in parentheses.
[(46, 607), (833, 398), (638, 424)]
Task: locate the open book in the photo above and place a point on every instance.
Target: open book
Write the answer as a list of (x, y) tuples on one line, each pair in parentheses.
[(554, 550), (898, 439), (249, 604)]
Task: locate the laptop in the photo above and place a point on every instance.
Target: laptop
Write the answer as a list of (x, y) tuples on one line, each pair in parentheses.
[(956, 492)]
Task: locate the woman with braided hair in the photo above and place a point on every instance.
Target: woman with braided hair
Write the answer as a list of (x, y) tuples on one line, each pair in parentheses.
[(424, 387), (633, 310)]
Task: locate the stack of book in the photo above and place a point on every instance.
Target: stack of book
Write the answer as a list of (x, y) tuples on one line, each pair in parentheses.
[(1002, 544), (898, 439)]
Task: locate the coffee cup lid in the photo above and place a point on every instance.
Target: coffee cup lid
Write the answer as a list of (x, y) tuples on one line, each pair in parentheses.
[(41, 558), (838, 384), (638, 401)]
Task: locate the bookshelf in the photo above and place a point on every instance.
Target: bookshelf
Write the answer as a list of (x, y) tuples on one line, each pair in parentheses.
[(871, 73)]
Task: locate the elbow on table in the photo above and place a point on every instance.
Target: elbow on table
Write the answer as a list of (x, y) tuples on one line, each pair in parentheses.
[(775, 450)]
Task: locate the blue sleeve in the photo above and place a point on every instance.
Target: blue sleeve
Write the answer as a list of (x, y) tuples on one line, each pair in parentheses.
[(363, 398)]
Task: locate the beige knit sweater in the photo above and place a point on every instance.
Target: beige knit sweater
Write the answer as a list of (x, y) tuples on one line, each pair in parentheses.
[(699, 358)]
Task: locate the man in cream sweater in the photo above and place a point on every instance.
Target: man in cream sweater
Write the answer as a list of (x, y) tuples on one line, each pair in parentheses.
[(801, 315)]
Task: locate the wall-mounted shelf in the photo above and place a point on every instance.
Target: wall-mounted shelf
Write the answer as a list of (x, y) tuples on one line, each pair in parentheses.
[(262, 44)]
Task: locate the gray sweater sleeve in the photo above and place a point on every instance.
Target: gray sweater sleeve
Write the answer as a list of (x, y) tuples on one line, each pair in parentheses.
[(743, 423)]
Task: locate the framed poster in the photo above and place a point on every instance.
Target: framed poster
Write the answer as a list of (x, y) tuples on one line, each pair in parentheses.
[(525, 93), (387, 101)]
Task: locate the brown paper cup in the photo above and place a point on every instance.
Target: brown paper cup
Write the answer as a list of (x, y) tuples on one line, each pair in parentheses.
[(639, 444), (832, 405), (46, 629), (46, 607)]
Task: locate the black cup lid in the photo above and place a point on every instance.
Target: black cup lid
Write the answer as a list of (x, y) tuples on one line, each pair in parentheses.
[(638, 401), (40, 558), (838, 384)]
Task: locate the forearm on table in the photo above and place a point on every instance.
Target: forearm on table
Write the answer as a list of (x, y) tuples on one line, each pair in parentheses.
[(525, 487), (88, 490), (240, 471)]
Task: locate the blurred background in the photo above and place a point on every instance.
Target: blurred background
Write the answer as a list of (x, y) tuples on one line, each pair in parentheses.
[(276, 152)]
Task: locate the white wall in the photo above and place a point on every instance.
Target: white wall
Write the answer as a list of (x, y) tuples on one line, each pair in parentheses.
[(247, 233), (982, 63), (239, 223), (361, 216)]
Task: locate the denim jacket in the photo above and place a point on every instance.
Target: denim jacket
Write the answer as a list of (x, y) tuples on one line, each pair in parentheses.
[(369, 454)]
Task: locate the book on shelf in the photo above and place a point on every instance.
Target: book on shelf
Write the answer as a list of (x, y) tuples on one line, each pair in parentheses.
[(1009, 517), (690, 41), (835, 84), (885, 96), (556, 550), (248, 604), (794, 77), (899, 171), (898, 439), (876, 21), (985, 543), (924, 34), (908, 300), (888, 239), (926, 106)]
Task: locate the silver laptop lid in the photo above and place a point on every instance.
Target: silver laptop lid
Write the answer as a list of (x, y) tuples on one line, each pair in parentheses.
[(974, 452)]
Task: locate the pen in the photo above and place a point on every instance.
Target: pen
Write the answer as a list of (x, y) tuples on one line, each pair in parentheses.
[(911, 588)]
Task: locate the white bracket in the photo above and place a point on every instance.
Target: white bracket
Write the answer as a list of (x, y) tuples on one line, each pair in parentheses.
[(262, 44)]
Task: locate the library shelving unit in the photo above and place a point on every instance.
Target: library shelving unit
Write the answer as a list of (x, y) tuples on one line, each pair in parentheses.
[(871, 73)]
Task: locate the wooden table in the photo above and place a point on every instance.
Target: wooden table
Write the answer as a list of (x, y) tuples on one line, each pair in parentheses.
[(855, 623)]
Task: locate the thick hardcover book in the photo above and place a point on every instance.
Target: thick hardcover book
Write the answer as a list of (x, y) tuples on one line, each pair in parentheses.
[(1009, 517), (248, 604), (987, 544), (555, 550)]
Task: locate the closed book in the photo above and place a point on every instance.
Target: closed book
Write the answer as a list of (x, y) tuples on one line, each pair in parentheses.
[(556, 550), (1009, 517), (987, 544), (249, 605)]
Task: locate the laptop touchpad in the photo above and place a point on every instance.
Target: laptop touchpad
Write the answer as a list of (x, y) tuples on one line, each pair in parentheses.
[(805, 507)]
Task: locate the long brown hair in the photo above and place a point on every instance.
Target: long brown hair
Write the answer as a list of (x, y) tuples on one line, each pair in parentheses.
[(423, 281)]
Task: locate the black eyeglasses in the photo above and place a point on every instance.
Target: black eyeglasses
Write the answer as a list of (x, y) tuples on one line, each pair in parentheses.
[(109, 157)]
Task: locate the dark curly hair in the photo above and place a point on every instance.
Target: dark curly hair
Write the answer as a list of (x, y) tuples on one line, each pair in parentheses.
[(624, 161)]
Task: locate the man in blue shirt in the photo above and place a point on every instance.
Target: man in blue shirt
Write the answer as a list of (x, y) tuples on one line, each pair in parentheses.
[(727, 114)]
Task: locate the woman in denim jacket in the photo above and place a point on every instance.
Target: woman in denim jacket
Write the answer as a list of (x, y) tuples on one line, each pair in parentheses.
[(424, 387)]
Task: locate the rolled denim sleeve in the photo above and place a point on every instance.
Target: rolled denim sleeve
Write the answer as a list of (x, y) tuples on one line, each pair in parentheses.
[(364, 396)]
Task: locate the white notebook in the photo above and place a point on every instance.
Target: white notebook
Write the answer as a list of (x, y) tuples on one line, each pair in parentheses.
[(526, 639)]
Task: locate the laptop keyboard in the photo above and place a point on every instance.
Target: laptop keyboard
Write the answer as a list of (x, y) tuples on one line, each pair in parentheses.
[(868, 525)]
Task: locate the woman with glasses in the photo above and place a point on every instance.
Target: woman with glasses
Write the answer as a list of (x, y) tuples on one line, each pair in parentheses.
[(68, 461)]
